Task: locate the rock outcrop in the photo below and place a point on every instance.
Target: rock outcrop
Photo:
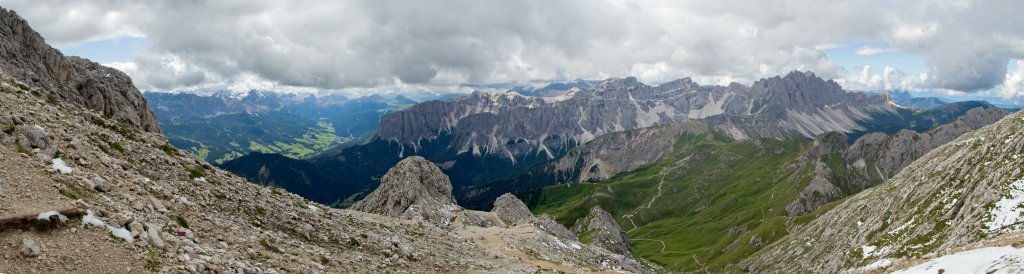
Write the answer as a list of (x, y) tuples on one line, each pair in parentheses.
[(413, 189), (549, 225), (511, 210), (599, 228), (822, 186), (32, 63)]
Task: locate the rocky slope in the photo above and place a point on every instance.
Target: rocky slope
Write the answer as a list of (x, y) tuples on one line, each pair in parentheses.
[(962, 192), (839, 170), (42, 69)]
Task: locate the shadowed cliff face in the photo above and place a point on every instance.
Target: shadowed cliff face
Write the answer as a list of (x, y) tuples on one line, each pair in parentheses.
[(27, 58)]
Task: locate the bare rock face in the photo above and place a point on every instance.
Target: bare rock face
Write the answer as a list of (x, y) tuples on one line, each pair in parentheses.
[(600, 229), (413, 189), (511, 210), (27, 58)]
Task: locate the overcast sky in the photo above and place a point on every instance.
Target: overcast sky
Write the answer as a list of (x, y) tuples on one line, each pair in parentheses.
[(948, 46)]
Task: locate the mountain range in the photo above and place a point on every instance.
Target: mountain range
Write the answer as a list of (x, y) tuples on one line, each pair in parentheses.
[(485, 140)]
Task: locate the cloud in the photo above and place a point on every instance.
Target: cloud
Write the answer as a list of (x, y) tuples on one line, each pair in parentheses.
[(366, 44), (1013, 86), (868, 51), (890, 78)]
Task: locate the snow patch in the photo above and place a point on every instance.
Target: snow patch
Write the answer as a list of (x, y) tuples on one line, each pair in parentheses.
[(46, 216), (60, 166), (1003, 259), (1005, 216), (90, 219), (122, 233)]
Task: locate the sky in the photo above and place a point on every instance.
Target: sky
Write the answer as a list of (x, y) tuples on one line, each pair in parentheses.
[(952, 47)]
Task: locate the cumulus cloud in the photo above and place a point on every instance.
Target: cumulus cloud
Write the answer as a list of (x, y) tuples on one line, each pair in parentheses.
[(890, 78), (1013, 86), (365, 44)]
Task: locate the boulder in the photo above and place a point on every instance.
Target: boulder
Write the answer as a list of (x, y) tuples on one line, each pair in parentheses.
[(511, 210), (29, 248), (414, 189)]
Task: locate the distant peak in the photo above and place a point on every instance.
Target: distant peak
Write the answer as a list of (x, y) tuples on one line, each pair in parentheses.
[(616, 83)]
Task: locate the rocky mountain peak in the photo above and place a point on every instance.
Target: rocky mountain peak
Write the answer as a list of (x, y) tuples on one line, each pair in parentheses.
[(621, 83), (413, 181), (685, 83), (27, 58)]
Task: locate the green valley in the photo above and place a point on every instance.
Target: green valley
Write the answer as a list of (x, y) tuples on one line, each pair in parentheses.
[(230, 136), (713, 202)]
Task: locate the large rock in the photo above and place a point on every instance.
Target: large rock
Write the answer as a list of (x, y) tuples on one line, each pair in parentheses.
[(600, 229), (34, 136), (511, 210), (29, 248), (413, 189), (28, 58), (547, 224)]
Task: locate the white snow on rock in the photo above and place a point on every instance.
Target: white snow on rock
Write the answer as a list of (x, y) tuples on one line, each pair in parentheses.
[(1003, 259), (59, 165), (1005, 216), (46, 216), (122, 233), (90, 219)]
